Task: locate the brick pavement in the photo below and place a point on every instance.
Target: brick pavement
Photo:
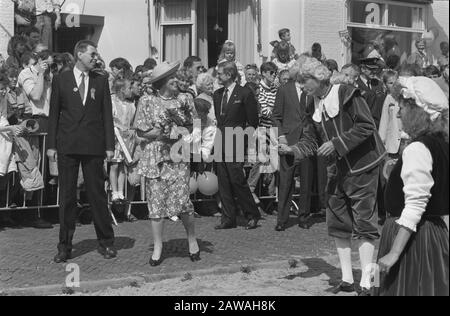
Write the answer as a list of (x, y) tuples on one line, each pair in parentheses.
[(26, 254)]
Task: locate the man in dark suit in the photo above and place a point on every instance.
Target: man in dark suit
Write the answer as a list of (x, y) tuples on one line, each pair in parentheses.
[(365, 78), (235, 107), (81, 131), (289, 116)]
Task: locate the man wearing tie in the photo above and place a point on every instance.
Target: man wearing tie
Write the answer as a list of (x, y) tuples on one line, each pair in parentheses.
[(235, 107), (81, 132), (290, 116)]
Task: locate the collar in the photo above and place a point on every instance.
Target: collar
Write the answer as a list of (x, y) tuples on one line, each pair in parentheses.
[(77, 72), (265, 86), (231, 88), (329, 104)]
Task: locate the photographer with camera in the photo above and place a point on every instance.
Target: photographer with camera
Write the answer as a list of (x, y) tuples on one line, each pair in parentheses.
[(36, 84)]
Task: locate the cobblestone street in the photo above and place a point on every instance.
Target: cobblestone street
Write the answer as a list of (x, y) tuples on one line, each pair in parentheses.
[(26, 253)]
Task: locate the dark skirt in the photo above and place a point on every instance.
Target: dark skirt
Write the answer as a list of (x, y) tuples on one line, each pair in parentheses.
[(422, 269)]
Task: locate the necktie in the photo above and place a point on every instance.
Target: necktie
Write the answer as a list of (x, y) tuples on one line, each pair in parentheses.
[(82, 87), (224, 102)]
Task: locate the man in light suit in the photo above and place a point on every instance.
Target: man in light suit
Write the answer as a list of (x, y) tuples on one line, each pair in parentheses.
[(235, 107), (81, 131)]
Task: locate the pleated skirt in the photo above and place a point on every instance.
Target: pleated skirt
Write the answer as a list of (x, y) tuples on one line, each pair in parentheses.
[(423, 268)]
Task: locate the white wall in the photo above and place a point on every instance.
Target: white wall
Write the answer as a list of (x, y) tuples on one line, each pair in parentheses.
[(439, 18), (6, 25), (309, 20), (125, 33), (323, 21), (279, 14)]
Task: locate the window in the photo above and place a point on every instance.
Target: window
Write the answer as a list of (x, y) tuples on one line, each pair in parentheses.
[(178, 25), (388, 27)]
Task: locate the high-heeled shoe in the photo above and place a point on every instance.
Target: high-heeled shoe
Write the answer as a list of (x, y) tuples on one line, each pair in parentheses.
[(155, 263), (195, 257)]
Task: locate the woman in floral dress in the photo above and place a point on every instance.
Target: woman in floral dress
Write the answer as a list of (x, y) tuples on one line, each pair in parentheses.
[(167, 182)]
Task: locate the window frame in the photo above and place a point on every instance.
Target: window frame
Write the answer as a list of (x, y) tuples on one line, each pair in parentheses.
[(388, 27), (192, 23)]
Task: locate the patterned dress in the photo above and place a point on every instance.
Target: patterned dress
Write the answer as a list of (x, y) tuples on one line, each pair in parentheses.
[(167, 183)]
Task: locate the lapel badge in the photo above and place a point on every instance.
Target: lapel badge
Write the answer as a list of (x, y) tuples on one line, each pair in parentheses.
[(75, 89)]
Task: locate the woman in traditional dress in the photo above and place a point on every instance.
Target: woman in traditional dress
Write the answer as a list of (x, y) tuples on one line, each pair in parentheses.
[(413, 255)]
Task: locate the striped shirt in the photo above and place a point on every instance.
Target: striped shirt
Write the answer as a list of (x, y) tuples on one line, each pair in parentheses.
[(266, 99)]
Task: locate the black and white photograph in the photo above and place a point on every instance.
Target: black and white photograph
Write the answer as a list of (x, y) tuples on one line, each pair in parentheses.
[(224, 155)]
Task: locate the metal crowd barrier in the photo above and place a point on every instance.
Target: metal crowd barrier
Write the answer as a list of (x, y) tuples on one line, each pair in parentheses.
[(41, 194)]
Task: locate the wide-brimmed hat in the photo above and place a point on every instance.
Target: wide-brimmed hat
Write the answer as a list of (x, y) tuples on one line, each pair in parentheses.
[(163, 70)]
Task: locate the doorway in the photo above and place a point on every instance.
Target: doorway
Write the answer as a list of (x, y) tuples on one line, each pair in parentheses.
[(217, 21)]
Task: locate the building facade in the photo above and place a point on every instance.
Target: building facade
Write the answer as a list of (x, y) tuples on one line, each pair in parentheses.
[(175, 29)]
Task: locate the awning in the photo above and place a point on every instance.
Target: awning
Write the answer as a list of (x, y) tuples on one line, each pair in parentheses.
[(85, 20), (415, 1)]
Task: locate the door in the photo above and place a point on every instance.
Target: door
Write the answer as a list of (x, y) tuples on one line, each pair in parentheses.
[(217, 28)]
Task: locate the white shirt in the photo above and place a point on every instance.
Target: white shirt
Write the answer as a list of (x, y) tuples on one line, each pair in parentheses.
[(299, 91), (77, 73), (230, 90), (390, 129), (418, 181), (27, 80)]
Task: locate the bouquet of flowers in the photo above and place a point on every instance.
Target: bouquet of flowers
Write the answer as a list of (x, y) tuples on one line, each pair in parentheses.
[(174, 118)]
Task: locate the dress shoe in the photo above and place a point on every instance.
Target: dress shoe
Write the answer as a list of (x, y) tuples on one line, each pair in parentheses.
[(252, 224), (155, 263), (344, 287), (107, 252), (225, 226), (303, 223), (280, 228), (365, 292), (195, 257), (62, 256)]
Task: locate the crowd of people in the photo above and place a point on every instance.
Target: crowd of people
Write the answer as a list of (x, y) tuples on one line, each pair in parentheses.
[(373, 132)]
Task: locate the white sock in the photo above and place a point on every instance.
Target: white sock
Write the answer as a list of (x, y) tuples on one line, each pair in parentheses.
[(366, 251), (344, 250)]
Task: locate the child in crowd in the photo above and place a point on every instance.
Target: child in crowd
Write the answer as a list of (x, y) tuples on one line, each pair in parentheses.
[(14, 97), (228, 53), (120, 69), (185, 80), (208, 127), (284, 35), (316, 52), (266, 100), (123, 114), (283, 59)]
